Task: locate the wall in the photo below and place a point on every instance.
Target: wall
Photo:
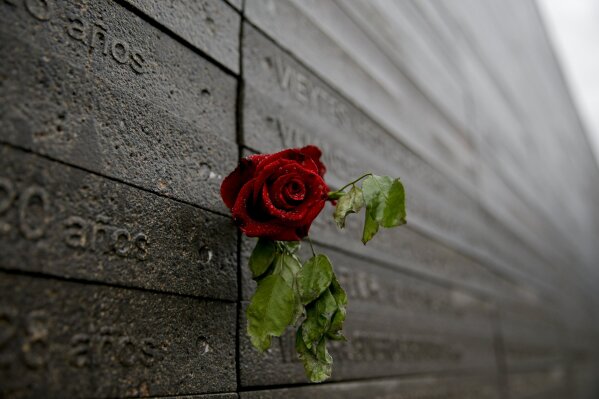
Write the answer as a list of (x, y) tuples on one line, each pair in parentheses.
[(122, 274)]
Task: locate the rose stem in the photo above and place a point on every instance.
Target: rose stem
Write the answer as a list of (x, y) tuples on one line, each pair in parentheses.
[(311, 245), (353, 182)]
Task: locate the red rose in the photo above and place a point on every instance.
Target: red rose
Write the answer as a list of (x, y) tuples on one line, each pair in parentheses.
[(277, 196)]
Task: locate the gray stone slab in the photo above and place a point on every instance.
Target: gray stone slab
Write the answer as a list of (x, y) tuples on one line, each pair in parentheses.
[(408, 251), (431, 387), (319, 35), (531, 341), (211, 26), (540, 150), (396, 324), (217, 396), (584, 381), (169, 129), (286, 105), (324, 38), (548, 383), (412, 43), (62, 221), (237, 4), (64, 339)]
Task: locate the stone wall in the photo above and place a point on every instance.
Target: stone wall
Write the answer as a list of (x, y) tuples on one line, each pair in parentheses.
[(121, 274)]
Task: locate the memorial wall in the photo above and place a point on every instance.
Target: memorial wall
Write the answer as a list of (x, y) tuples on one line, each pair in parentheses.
[(122, 274)]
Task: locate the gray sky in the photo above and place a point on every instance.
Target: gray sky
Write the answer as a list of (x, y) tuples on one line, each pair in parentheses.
[(574, 28)]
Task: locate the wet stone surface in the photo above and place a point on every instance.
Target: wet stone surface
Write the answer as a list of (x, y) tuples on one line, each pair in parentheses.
[(211, 26), (59, 220), (484, 387), (167, 125), (395, 324), (64, 340)]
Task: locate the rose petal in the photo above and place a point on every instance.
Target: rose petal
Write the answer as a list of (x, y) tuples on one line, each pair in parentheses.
[(315, 153), (291, 154), (280, 192), (231, 185), (255, 228), (272, 170)]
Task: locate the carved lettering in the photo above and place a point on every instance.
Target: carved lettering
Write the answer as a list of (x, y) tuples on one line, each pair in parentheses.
[(98, 36), (35, 344), (76, 29), (205, 254), (8, 331), (120, 51), (151, 352), (374, 347), (75, 233), (111, 346), (126, 351), (33, 212), (333, 156), (121, 239), (80, 349), (93, 34), (33, 217), (308, 92), (370, 287), (7, 197), (100, 233), (528, 384), (141, 244), (26, 338), (138, 62), (40, 9)]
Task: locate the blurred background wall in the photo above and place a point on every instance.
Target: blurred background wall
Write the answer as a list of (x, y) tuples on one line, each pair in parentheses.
[(122, 271)]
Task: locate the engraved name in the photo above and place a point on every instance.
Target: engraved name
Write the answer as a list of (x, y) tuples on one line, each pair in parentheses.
[(530, 383), (370, 287), (372, 347), (443, 392), (334, 157), (307, 92)]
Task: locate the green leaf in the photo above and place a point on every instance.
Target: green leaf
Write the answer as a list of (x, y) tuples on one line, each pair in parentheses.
[(338, 292), (271, 310), (291, 246), (262, 256), (385, 200), (288, 266), (318, 364), (371, 227), (351, 202), (335, 329), (318, 318), (314, 277)]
